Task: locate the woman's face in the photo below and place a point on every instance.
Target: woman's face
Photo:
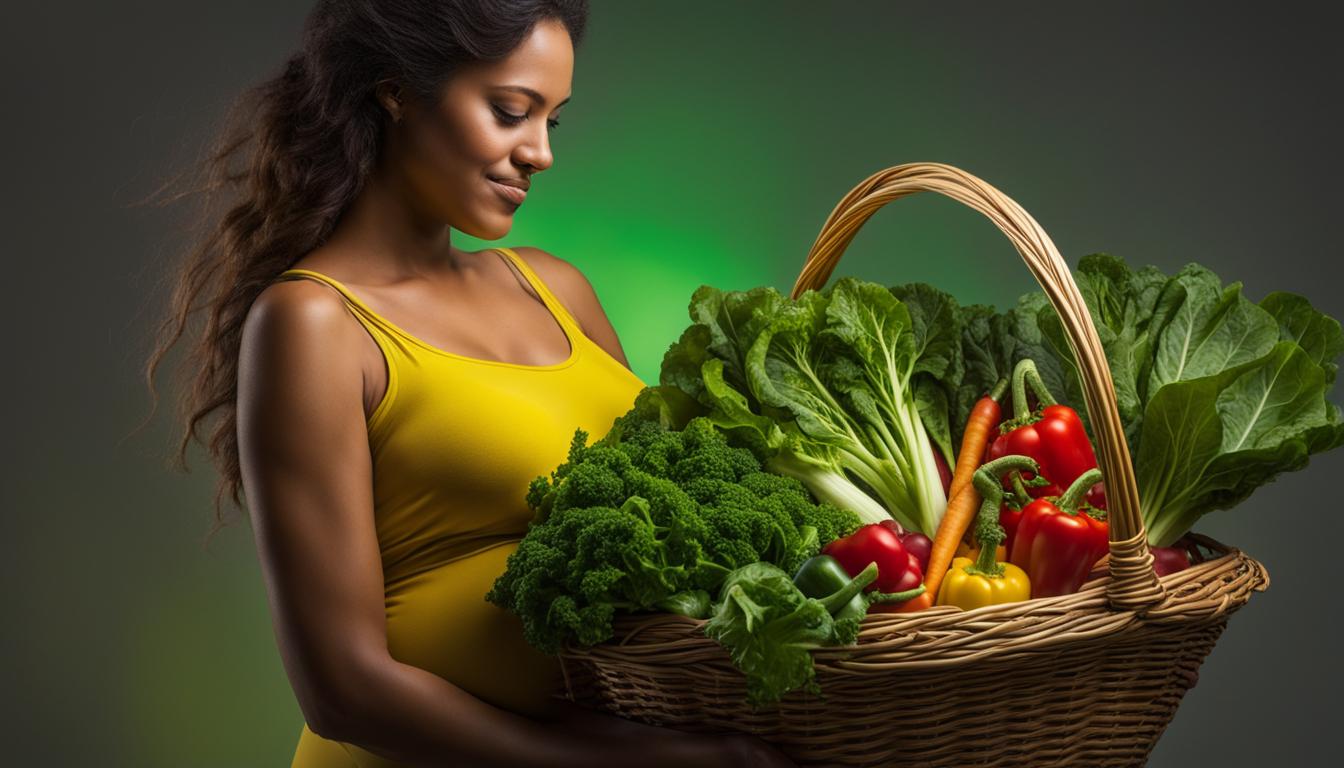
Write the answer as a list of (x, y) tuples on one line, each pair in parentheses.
[(485, 125)]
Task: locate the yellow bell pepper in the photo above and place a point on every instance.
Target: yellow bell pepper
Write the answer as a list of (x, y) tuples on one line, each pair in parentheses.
[(985, 580), (968, 587)]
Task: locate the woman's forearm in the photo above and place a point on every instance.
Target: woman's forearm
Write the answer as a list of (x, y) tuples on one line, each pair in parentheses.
[(413, 716)]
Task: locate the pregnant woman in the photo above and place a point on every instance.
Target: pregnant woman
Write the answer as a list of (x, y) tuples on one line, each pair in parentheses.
[(387, 396)]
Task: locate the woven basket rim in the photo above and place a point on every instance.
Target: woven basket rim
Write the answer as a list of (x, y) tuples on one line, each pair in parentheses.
[(1088, 603)]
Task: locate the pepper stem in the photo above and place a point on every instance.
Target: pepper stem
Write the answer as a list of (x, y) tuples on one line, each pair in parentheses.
[(1019, 488), (1023, 374), (988, 533), (837, 600), (1073, 497)]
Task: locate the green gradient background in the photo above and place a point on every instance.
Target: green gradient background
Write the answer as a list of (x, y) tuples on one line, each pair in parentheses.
[(706, 143)]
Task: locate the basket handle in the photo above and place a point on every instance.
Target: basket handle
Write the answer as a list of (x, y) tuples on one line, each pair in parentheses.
[(1133, 583)]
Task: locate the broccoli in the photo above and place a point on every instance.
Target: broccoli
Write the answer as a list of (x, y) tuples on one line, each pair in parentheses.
[(649, 518)]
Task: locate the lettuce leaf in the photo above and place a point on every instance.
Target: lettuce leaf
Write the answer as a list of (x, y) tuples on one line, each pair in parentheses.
[(1218, 394), (769, 628)]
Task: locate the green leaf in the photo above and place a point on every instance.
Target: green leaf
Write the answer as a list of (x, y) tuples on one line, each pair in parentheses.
[(935, 323), (683, 360), (1212, 330), (1318, 334), (1208, 443), (987, 347), (769, 628), (734, 319)]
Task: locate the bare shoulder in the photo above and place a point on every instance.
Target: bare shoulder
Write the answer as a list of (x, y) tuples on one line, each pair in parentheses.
[(564, 278), (568, 283), (296, 322), (287, 310), (574, 290)]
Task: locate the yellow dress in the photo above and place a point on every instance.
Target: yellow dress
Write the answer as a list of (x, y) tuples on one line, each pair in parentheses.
[(455, 443)]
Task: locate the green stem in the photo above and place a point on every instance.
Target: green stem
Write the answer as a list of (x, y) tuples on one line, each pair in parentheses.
[(1026, 373), (1023, 496), (988, 533), (896, 597), (837, 600), (986, 478), (1073, 497)]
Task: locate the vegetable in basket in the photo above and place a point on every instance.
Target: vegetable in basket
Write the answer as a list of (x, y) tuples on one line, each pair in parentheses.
[(1053, 435), (845, 389), (1218, 394), (824, 578), (985, 581), (770, 627), (1057, 544), (1169, 559), (985, 484), (915, 543), (898, 570), (645, 520), (1010, 514), (769, 623), (981, 426)]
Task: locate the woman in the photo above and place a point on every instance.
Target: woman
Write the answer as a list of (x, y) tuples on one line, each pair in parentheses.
[(387, 396)]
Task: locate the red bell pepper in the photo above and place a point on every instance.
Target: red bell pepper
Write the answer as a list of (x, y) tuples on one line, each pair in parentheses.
[(1054, 436), (897, 570), (1058, 545)]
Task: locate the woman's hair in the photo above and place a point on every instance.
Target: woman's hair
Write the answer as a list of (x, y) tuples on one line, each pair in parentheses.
[(293, 153)]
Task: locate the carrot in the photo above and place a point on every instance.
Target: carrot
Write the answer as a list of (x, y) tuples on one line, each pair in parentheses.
[(956, 519), (980, 427), (958, 516)]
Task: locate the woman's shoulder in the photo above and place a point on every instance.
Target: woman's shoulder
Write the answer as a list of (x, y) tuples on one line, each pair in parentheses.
[(566, 281), (577, 294), (549, 267)]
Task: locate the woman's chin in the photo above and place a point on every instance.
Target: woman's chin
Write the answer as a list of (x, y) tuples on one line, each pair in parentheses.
[(499, 226)]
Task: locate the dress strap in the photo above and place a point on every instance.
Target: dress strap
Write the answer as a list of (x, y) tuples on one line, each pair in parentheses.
[(350, 298), (378, 330), (550, 299)]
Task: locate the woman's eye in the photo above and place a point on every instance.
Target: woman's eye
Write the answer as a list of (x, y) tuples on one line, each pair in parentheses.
[(512, 119), (509, 117)]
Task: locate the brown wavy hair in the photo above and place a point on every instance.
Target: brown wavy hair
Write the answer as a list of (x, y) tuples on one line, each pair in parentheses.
[(291, 156)]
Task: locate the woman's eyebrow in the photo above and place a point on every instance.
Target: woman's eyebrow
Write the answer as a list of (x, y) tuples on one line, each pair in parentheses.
[(537, 97)]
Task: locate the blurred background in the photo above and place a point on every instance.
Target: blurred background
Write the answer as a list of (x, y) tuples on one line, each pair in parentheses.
[(705, 144)]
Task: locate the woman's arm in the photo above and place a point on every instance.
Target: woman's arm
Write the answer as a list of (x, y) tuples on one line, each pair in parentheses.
[(307, 474)]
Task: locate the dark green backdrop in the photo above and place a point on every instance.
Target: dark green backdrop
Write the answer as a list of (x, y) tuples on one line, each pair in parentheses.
[(706, 142)]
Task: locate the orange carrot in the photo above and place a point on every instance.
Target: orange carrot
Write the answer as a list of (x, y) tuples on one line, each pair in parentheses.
[(956, 519), (980, 426)]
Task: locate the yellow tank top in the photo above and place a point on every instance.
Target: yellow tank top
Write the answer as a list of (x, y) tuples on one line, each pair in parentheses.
[(455, 442)]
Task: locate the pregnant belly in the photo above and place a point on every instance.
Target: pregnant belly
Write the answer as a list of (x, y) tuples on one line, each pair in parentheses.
[(439, 620)]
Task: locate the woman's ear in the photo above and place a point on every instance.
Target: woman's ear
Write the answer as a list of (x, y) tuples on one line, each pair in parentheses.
[(389, 95)]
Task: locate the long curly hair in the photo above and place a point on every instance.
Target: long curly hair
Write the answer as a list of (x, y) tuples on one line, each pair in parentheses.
[(293, 153)]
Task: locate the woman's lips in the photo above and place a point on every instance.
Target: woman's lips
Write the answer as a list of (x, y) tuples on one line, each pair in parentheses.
[(512, 194)]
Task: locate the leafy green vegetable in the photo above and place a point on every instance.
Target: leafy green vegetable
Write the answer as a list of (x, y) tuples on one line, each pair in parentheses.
[(651, 519), (769, 628), (848, 390), (1218, 394)]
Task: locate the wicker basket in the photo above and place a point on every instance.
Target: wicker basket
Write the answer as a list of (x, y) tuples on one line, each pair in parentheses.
[(1087, 679)]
